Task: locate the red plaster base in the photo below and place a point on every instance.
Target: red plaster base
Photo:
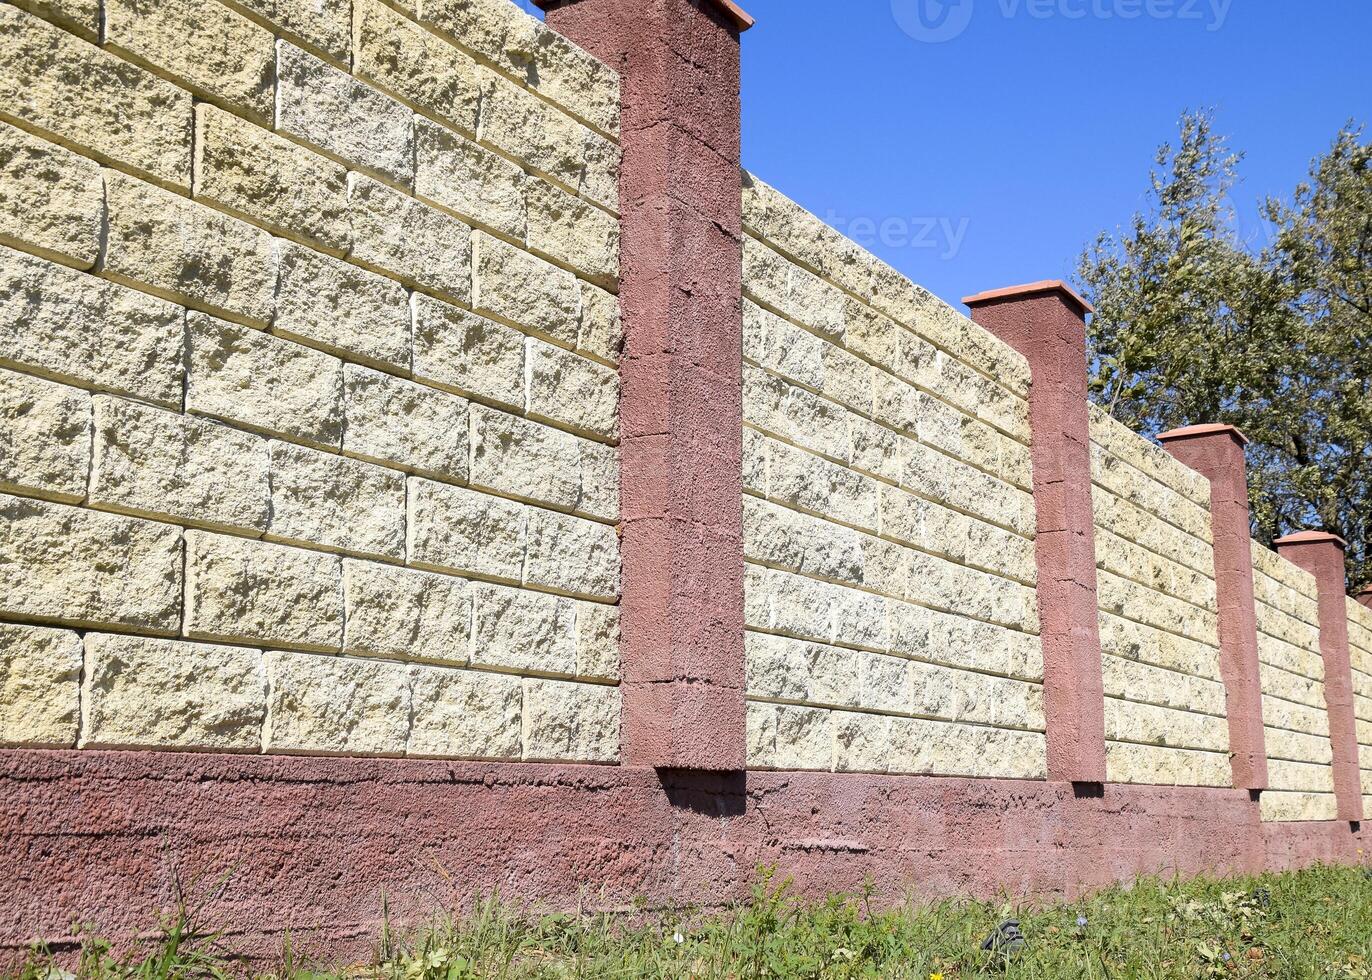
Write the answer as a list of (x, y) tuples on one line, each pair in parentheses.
[(311, 845)]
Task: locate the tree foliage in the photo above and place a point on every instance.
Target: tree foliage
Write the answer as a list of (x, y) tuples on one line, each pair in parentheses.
[(1196, 323)]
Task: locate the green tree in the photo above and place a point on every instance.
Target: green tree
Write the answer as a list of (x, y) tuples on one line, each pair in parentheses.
[(1195, 324)]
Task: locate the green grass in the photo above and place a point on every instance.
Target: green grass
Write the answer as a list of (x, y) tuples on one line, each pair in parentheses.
[(1311, 924)]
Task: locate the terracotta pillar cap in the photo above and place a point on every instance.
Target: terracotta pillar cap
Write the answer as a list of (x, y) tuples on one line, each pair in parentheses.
[(1210, 429), (733, 11), (1040, 288), (1365, 590), (1312, 537)]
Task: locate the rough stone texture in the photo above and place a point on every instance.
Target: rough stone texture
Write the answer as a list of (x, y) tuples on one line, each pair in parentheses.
[(92, 100), (141, 693), (208, 48), (266, 594), (460, 175), (464, 714), (1160, 766), (526, 632), (515, 286), (415, 64), (570, 721), (270, 180), (427, 248), (571, 232), (406, 614), (263, 383), (518, 458), (1287, 807), (348, 310), (454, 529), (456, 349), (88, 332), (79, 567), (152, 463), (399, 423), (327, 108), (184, 252), (344, 504), (572, 555), (336, 705), (573, 390), (320, 24), (80, 17), (45, 438), (597, 641), (526, 49), (601, 332), (40, 686), (51, 199)]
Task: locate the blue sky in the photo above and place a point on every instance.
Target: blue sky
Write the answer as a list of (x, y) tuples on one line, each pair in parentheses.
[(992, 139)]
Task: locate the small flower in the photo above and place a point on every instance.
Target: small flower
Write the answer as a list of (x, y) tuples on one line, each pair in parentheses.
[(1081, 921), (936, 976), (678, 938), (1226, 957)]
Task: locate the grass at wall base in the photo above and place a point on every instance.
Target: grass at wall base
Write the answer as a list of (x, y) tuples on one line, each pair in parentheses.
[(1308, 925)]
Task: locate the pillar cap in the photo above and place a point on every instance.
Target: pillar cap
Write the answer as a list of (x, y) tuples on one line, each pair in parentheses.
[(1199, 431), (1312, 537), (740, 18), (1365, 590), (1028, 290)]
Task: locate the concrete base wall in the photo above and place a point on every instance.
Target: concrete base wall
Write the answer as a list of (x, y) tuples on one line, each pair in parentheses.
[(311, 845)]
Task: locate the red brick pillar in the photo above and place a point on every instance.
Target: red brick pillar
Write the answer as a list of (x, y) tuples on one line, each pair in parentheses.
[(1322, 555), (681, 414), (1046, 323), (1216, 452)]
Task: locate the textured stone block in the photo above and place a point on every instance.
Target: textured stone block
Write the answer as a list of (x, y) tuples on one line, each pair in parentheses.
[(937, 748), (268, 594), (75, 566), (336, 705), (601, 333), (45, 438), (599, 480), (1284, 807), (571, 555), (571, 722), (415, 64), (399, 423), (1153, 725), (152, 463), (40, 687), (339, 503), (464, 714), (784, 538), (51, 199), (1160, 766), (527, 632), (451, 528), (184, 252), (794, 414), (531, 130), (263, 383), (573, 390), (80, 17), (523, 47), (85, 331), (460, 175), (406, 614), (269, 180), (427, 248), (793, 670), (571, 232), (467, 353), (807, 482), (518, 458), (597, 641), (517, 287), (804, 739), (93, 100), (166, 694), (324, 25), (208, 48), (329, 109), (339, 306)]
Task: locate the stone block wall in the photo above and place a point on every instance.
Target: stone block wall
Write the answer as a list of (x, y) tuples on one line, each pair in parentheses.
[(888, 518), (1165, 714), (1360, 646), (1295, 715), (308, 386)]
